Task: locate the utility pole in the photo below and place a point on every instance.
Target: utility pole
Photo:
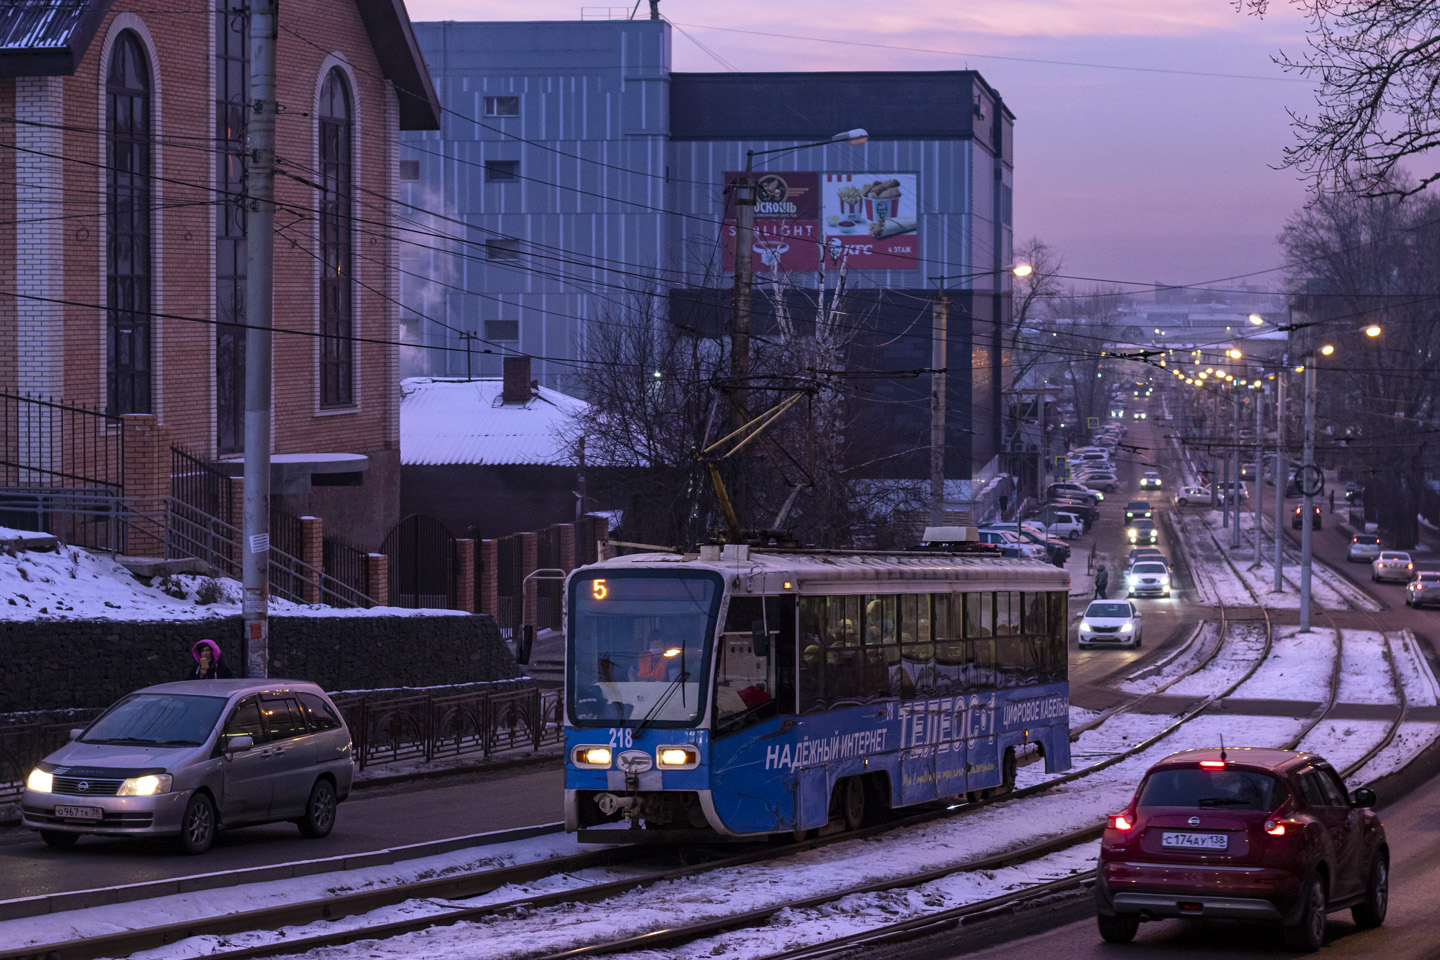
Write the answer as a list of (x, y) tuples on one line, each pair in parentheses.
[(259, 288), (1280, 480), (1042, 447), (469, 336), (940, 317), (1259, 470), (1307, 508), (741, 295), (1239, 484)]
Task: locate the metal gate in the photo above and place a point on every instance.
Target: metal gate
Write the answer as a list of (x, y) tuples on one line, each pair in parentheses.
[(422, 558)]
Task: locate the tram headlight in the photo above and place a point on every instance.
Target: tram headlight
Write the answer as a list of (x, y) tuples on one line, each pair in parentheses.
[(592, 756), (677, 758)]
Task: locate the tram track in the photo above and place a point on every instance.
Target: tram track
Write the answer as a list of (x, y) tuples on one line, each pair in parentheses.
[(487, 881)]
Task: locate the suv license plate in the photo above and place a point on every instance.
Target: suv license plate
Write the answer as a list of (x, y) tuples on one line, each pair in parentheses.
[(80, 813), (1194, 841)]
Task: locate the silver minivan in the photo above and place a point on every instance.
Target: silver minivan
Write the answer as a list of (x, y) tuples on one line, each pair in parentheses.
[(188, 759)]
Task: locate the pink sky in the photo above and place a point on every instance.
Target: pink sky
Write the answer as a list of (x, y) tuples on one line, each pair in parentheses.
[(1145, 130)]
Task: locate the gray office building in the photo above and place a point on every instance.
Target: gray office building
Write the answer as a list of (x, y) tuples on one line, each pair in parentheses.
[(576, 175)]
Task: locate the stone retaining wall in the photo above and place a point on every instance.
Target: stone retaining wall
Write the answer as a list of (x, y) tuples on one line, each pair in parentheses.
[(60, 664)]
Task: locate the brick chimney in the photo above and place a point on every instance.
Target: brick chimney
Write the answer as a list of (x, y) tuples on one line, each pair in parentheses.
[(517, 388)]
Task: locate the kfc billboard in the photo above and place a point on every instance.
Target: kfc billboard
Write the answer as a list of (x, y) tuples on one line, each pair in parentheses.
[(870, 220)]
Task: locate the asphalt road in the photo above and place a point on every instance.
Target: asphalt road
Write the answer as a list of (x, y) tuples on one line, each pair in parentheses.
[(373, 818)]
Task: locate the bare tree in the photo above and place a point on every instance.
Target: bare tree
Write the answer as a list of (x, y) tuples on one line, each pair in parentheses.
[(1376, 65), (1033, 294), (1370, 260)]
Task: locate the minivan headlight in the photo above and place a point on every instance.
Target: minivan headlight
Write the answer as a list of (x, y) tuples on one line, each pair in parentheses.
[(41, 781), (146, 786)]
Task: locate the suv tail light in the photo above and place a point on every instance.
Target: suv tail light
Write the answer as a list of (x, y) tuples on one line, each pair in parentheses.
[(1119, 821), (1212, 764), (1281, 828)]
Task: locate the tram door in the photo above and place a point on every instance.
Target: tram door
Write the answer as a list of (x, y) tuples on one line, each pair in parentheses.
[(755, 668)]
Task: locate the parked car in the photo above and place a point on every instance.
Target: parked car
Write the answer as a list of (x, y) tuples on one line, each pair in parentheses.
[(1188, 495), (1084, 511), (1423, 588), (1363, 546), (1012, 544), (1101, 481), (1057, 551), (1392, 565), (1058, 523), (1245, 833), (1075, 491), (1150, 480), (1297, 522), (1148, 577), (1137, 508), (188, 759), (1142, 531), (1248, 471), (1110, 622)]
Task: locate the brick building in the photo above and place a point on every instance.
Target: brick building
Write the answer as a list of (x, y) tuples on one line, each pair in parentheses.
[(122, 247)]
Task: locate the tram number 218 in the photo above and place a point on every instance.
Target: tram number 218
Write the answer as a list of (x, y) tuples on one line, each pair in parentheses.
[(620, 739)]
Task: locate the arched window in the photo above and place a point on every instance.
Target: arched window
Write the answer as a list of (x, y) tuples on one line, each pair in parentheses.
[(336, 175), (128, 148)]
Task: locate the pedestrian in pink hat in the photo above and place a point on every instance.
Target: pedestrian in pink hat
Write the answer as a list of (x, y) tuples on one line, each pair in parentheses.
[(207, 661)]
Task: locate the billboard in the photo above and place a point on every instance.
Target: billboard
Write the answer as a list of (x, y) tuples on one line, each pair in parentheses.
[(870, 220)]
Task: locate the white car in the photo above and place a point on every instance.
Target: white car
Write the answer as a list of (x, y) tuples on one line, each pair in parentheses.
[(1101, 481), (1150, 480), (1065, 525), (1148, 577), (1189, 495), (1363, 546), (1107, 622), (1392, 565)]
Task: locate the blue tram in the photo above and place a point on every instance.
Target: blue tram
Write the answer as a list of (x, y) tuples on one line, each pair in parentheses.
[(742, 692)]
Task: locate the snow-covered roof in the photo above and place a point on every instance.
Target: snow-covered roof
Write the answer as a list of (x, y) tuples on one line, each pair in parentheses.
[(446, 422)]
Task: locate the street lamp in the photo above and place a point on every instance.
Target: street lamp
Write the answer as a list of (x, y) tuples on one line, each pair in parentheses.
[(744, 274)]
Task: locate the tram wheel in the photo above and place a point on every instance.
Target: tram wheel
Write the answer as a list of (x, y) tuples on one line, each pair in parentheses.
[(851, 794)]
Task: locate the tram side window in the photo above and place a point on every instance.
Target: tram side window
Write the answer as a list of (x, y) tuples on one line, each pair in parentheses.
[(979, 641), (745, 681), (1058, 622), (947, 677)]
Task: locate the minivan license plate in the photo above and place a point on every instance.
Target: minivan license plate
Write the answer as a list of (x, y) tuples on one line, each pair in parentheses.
[(80, 813), (1194, 841)]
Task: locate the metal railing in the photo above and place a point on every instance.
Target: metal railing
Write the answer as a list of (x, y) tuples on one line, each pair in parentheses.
[(45, 442), (385, 729), (428, 726)]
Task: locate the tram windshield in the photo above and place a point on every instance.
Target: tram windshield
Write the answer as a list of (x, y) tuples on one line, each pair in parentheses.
[(638, 647)]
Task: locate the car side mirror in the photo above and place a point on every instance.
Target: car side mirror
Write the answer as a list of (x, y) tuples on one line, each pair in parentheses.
[(1364, 797), (525, 644), (239, 744), (759, 639), (75, 732)]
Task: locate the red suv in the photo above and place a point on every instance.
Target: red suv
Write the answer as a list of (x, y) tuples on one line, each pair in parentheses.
[(1247, 833)]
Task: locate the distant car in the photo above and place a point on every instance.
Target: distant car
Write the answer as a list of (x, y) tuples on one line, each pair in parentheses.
[(1392, 565), (1423, 588), (1110, 622), (1363, 546), (1222, 491), (1138, 554), (1148, 578), (1140, 414), (1244, 833), (1188, 495), (1150, 480), (1352, 493), (1075, 490), (1142, 531), (1086, 512), (187, 759), (1061, 524), (1297, 522), (1012, 544), (1101, 481), (1248, 471), (1137, 508)]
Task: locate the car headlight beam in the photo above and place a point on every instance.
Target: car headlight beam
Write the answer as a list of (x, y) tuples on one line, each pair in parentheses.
[(146, 786), (1127, 627), (592, 756), (40, 781)]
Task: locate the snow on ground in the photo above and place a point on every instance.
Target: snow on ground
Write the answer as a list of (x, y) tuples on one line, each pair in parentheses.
[(77, 584), (1239, 653), (1200, 643), (1357, 680), (1298, 668), (1415, 676)]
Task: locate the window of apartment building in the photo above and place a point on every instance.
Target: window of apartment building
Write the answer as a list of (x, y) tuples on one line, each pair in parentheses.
[(128, 149), (504, 330), (502, 170), (502, 106), (502, 248), (231, 84), (336, 173)]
